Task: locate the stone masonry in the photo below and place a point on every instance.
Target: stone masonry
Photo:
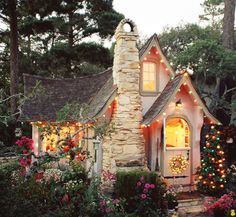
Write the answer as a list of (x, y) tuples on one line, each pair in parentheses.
[(125, 149)]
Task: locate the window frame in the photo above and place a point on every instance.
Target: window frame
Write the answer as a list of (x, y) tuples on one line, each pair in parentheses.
[(189, 134), (142, 91)]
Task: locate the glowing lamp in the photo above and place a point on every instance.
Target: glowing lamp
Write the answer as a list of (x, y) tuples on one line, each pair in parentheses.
[(222, 186), (178, 104)]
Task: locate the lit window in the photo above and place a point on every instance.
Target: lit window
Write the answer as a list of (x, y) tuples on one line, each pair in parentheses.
[(177, 133), (149, 81)]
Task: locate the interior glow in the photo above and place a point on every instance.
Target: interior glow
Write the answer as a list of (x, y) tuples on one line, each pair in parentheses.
[(149, 77), (177, 133)]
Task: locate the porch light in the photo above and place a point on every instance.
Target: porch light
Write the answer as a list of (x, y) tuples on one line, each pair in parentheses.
[(178, 104)]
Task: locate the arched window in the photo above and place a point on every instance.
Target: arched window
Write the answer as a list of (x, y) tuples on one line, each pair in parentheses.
[(177, 133), (149, 77)]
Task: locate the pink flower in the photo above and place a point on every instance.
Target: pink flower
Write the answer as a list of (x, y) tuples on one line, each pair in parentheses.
[(147, 185), (152, 186), (102, 203), (108, 210), (145, 190), (23, 162), (139, 184), (115, 201), (141, 179), (143, 196), (24, 151)]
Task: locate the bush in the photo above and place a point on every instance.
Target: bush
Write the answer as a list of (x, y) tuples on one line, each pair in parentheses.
[(142, 190), (126, 182)]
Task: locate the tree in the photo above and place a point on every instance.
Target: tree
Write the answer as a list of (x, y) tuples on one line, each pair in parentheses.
[(62, 25), (228, 24), (201, 49), (213, 12), (228, 43), (9, 15), (212, 173)]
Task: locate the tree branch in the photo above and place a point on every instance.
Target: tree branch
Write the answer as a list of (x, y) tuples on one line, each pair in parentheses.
[(228, 91), (4, 18)]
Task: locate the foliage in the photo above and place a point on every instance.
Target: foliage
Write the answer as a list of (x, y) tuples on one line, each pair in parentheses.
[(111, 207), (213, 12), (201, 50), (171, 197), (231, 178), (224, 205), (51, 34), (141, 189), (212, 173)]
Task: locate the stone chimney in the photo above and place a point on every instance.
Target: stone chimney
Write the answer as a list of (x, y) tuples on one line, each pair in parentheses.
[(125, 148)]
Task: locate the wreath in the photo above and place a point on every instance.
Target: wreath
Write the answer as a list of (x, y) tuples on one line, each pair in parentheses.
[(178, 164)]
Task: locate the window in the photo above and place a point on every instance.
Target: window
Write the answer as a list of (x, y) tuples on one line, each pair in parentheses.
[(149, 77), (177, 133)]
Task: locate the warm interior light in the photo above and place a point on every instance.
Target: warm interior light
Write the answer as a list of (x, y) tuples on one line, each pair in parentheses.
[(177, 133), (178, 104)]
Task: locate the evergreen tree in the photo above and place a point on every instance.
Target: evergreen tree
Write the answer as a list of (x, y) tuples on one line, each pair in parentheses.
[(212, 173)]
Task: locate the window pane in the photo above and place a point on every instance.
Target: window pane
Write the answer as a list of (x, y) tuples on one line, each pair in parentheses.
[(177, 133), (149, 77)]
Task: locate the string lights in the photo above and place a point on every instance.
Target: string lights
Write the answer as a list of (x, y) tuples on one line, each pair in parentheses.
[(178, 164), (212, 173)]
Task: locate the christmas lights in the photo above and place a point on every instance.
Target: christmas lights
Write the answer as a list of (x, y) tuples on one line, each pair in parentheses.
[(211, 174)]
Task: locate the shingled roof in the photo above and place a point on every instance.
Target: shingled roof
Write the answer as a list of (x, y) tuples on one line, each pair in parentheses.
[(162, 100), (57, 92), (169, 92)]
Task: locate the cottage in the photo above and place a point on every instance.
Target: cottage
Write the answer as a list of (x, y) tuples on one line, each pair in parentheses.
[(157, 114)]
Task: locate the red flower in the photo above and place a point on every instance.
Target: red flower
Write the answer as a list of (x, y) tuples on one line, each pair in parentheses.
[(25, 151), (66, 148)]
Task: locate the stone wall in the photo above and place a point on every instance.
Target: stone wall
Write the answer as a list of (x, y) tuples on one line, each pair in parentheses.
[(125, 148)]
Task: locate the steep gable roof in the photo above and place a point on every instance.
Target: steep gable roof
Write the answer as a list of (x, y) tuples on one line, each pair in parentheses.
[(167, 95), (102, 99), (57, 92), (154, 42)]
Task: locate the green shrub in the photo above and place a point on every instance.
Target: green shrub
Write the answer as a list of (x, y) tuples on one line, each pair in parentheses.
[(131, 185), (126, 182)]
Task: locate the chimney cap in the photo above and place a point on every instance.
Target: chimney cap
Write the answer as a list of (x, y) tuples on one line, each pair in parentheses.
[(121, 30)]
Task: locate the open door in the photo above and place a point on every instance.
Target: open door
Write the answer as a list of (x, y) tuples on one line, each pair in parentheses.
[(177, 149)]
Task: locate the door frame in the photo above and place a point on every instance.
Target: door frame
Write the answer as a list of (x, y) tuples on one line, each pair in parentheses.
[(191, 133)]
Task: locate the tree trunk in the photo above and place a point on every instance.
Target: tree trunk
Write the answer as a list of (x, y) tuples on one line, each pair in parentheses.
[(14, 70), (216, 94), (70, 43), (228, 42), (228, 24)]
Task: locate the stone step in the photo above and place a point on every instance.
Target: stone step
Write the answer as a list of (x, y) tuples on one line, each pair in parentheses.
[(190, 207), (185, 211), (190, 202)]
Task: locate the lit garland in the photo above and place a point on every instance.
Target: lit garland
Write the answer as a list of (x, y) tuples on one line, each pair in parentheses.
[(212, 174), (178, 164)]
